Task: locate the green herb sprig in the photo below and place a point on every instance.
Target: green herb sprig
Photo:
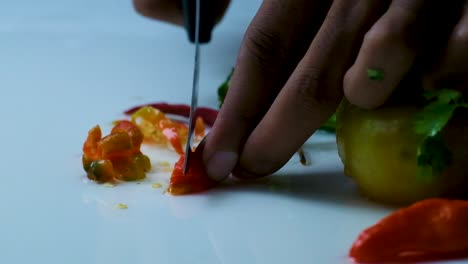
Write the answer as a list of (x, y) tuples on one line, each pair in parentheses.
[(375, 74), (433, 156), (223, 88)]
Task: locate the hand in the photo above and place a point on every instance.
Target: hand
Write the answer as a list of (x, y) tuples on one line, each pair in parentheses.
[(299, 57)]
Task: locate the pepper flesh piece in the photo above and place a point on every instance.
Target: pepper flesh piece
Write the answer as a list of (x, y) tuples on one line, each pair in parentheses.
[(432, 229), (199, 127), (159, 129), (90, 147), (208, 115), (172, 136), (196, 180)]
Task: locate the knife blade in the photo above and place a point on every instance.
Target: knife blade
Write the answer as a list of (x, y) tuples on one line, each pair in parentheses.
[(196, 77), (199, 22)]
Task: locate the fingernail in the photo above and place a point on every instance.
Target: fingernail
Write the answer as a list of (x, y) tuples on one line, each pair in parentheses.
[(220, 165)]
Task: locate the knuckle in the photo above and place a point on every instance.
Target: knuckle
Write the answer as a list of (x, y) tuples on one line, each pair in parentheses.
[(383, 33), (265, 46), (317, 89), (460, 36)]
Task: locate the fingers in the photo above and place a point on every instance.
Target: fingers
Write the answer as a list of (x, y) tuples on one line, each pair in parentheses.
[(391, 46), (452, 70), (165, 10), (171, 10), (313, 91), (273, 44)]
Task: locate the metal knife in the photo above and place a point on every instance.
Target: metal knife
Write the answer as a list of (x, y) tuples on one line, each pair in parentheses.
[(199, 19)]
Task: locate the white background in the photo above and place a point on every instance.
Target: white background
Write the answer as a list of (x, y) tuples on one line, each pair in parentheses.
[(68, 65)]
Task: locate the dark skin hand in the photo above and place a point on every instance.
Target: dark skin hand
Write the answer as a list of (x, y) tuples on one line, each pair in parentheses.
[(300, 57)]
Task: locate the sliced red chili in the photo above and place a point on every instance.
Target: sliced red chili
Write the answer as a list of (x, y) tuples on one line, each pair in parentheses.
[(196, 180), (429, 230), (173, 137)]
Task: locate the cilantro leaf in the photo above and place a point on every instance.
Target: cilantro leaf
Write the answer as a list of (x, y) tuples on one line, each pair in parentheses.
[(223, 88), (433, 118), (433, 156), (375, 74), (442, 96), (330, 125)]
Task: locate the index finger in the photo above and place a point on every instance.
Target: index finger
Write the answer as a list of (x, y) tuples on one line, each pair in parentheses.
[(271, 49)]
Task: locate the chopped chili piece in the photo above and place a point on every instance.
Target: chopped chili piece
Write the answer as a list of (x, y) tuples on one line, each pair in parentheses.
[(158, 128), (116, 145), (90, 147), (207, 114), (173, 137), (101, 171), (116, 156), (429, 230), (196, 180), (133, 131)]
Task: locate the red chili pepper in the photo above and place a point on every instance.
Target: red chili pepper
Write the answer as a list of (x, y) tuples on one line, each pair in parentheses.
[(429, 230), (196, 179), (208, 114)]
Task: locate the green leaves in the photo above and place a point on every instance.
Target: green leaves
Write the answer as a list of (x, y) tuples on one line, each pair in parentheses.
[(375, 74), (223, 88), (433, 156), (330, 125)]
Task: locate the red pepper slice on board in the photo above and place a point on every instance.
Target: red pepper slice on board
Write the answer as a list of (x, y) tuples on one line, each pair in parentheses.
[(208, 114), (196, 180), (433, 229)]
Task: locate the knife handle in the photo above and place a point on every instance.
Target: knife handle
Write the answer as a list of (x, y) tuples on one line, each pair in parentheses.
[(207, 19)]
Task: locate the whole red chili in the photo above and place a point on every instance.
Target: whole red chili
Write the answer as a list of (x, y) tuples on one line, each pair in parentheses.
[(208, 114), (429, 230)]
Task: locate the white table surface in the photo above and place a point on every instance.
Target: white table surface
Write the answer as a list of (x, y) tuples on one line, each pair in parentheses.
[(68, 65)]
